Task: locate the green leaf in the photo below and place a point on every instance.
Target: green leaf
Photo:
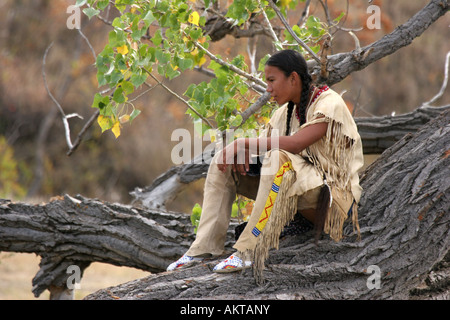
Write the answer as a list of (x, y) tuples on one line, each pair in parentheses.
[(118, 96), (102, 4), (90, 12), (134, 114), (149, 18), (236, 121), (80, 3), (195, 216), (157, 38), (185, 64), (100, 102), (137, 79), (127, 87), (339, 18), (163, 57)]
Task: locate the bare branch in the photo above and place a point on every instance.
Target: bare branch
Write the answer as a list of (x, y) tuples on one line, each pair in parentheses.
[(83, 132), (305, 14), (88, 43), (343, 64), (180, 98), (293, 34), (444, 84), (269, 25), (256, 106), (58, 105), (231, 67)]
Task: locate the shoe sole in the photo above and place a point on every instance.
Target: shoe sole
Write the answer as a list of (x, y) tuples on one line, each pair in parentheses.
[(230, 270), (186, 265)]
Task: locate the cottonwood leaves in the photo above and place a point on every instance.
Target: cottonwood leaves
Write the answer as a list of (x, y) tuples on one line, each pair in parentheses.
[(165, 39)]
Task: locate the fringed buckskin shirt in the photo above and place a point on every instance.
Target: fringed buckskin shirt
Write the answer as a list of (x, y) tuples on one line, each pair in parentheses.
[(337, 156)]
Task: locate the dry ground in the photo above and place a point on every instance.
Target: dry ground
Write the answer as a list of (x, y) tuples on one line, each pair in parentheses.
[(18, 269)]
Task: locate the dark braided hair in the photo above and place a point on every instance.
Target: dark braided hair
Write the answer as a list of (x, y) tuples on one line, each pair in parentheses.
[(289, 61)]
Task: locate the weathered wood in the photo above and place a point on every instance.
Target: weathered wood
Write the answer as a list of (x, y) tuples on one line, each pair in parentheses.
[(405, 223), (169, 184), (380, 133), (404, 218), (77, 231)]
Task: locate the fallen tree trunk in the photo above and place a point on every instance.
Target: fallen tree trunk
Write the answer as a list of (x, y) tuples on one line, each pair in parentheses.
[(76, 231), (405, 223), (404, 226), (377, 134)]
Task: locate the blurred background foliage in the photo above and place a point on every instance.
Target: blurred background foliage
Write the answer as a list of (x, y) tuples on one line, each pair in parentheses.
[(33, 161)]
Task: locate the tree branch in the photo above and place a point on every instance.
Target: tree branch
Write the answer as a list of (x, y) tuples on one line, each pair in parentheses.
[(231, 67), (180, 98), (58, 105), (444, 83), (293, 34), (343, 64)]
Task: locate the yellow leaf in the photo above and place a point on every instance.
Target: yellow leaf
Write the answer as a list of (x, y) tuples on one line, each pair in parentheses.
[(285, 3), (201, 62), (212, 136), (194, 18), (194, 52), (265, 119), (116, 129), (123, 50), (104, 123)]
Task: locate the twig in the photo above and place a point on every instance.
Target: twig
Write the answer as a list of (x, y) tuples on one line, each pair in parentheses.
[(230, 66), (61, 111), (179, 98), (251, 50), (255, 106), (335, 25), (305, 13), (293, 34), (444, 84), (269, 25), (83, 132), (150, 88), (96, 114)]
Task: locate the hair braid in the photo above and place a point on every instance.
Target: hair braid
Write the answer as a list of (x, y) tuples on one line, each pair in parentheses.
[(306, 85), (290, 111)]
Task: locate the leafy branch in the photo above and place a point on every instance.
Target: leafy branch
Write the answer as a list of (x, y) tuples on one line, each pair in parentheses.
[(169, 38)]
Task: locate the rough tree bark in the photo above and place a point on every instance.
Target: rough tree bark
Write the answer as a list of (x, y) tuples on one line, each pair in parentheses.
[(405, 223), (77, 231), (404, 226), (403, 216)]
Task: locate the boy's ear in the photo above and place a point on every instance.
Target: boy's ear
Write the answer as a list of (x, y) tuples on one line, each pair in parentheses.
[(295, 78)]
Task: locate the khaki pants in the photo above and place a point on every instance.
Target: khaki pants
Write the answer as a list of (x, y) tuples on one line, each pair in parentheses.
[(219, 195)]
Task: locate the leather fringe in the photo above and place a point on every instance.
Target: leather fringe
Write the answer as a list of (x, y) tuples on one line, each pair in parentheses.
[(283, 212)]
